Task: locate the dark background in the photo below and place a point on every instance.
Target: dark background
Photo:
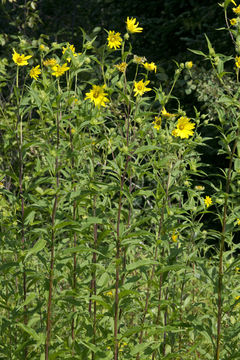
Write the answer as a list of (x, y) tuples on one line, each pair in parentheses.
[(170, 26)]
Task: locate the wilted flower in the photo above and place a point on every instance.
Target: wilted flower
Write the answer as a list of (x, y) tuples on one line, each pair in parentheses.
[(50, 62), (97, 95), (35, 72), (139, 59), (114, 40), (132, 26), (140, 87), (122, 67), (199, 187), (184, 128), (20, 60)]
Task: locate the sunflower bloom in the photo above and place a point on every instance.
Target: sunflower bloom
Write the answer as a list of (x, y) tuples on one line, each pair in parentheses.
[(188, 65), (237, 10), (184, 128), (157, 122), (140, 87), (71, 49), (50, 62), (132, 26), (35, 72), (233, 21), (20, 60), (207, 201), (97, 95), (114, 40), (121, 67), (166, 114), (237, 61), (174, 236), (59, 70), (150, 66)]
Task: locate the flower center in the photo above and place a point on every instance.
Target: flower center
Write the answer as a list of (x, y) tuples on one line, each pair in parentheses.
[(96, 94), (181, 127), (19, 60)]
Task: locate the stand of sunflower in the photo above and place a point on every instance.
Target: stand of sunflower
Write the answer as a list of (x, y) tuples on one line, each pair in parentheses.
[(104, 207)]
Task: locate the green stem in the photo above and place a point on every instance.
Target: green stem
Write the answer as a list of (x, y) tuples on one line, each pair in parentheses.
[(220, 267), (51, 273)]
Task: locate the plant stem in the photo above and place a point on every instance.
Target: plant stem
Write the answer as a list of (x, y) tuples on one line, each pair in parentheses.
[(220, 268), (153, 268), (51, 274), (117, 270)]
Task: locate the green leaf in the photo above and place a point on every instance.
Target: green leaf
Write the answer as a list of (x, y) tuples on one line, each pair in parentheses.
[(197, 52), (29, 330), (140, 263), (40, 244), (146, 148), (29, 298)]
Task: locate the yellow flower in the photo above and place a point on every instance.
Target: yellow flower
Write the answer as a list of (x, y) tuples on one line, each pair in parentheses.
[(140, 87), (132, 26), (188, 64), (238, 221), (165, 113), (20, 60), (59, 70), (237, 10), (42, 47), (174, 236), (237, 269), (109, 293), (157, 123), (184, 128), (97, 95), (50, 62), (114, 39), (69, 47), (150, 66), (237, 298), (237, 62), (208, 201), (233, 21), (122, 67), (139, 59), (34, 72)]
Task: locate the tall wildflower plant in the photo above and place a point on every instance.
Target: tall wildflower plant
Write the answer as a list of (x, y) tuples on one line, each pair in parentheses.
[(104, 199)]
